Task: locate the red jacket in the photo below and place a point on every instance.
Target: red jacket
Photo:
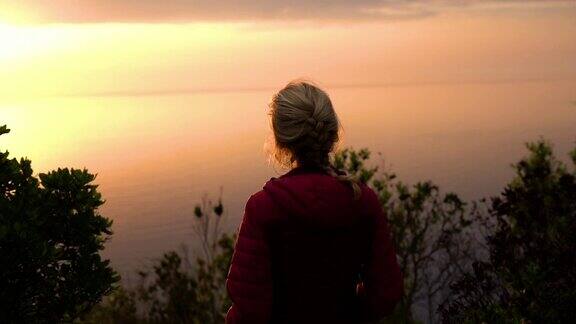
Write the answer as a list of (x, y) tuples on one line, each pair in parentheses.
[(304, 247)]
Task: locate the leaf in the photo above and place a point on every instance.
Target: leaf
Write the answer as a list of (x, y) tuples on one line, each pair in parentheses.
[(198, 211), (4, 130)]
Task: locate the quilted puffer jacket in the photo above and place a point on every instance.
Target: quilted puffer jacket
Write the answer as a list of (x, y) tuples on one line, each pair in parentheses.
[(308, 252)]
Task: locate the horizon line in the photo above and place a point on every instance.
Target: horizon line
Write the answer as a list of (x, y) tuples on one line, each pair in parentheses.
[(183, 91), (195, 90)]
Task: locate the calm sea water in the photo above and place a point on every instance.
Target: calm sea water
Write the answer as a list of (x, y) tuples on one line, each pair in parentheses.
[(157, 155)]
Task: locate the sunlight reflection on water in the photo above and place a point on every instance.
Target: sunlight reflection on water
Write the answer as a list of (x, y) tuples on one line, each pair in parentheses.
[(156, 156)]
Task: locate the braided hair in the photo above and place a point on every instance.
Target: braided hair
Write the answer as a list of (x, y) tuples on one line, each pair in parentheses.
[(306, 129)]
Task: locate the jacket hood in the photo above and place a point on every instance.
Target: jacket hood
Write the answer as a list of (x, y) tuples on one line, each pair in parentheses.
[(313, 196)]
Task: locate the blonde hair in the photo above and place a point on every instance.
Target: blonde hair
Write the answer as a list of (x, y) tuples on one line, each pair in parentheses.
[(306, 129)]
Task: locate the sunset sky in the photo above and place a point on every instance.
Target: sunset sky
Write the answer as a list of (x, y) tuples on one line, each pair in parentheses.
[(60, 47), (168, 100)]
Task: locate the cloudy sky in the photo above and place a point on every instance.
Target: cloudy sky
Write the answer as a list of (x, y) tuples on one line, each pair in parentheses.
[(66, 47), (72, 11)]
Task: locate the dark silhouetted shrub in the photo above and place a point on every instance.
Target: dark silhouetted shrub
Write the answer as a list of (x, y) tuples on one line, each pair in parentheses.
[(432, 232), (530, 276), (179, 287), (50, 238)]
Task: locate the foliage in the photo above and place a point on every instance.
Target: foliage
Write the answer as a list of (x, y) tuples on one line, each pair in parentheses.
[(531, 273), (118, 307), (50, 238), (175, 290), (430, 232), (527, 274)]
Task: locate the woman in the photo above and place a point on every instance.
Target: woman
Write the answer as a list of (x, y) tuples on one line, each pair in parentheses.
[(314, 245)]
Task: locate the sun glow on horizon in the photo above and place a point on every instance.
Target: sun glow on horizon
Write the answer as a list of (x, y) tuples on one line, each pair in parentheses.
[(61, 59), (19, 42), (92, 58), (14, 14)]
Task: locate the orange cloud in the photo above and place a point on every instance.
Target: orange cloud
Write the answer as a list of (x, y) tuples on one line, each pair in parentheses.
[(69, 11)]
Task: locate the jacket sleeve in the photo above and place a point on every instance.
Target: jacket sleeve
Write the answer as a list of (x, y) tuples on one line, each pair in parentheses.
[(382, 279), (249, 281)]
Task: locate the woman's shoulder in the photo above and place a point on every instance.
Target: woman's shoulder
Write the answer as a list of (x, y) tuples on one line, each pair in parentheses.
[(260, 207), (259, 199), (367, 192), (369, 199)]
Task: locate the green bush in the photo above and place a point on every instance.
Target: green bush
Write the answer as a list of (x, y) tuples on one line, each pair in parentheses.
[(179, 288), (432, 233), (530, 276), (50, 238), (526, 271)]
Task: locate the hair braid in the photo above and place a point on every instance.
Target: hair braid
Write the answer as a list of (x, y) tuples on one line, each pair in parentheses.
[(306, 129)]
